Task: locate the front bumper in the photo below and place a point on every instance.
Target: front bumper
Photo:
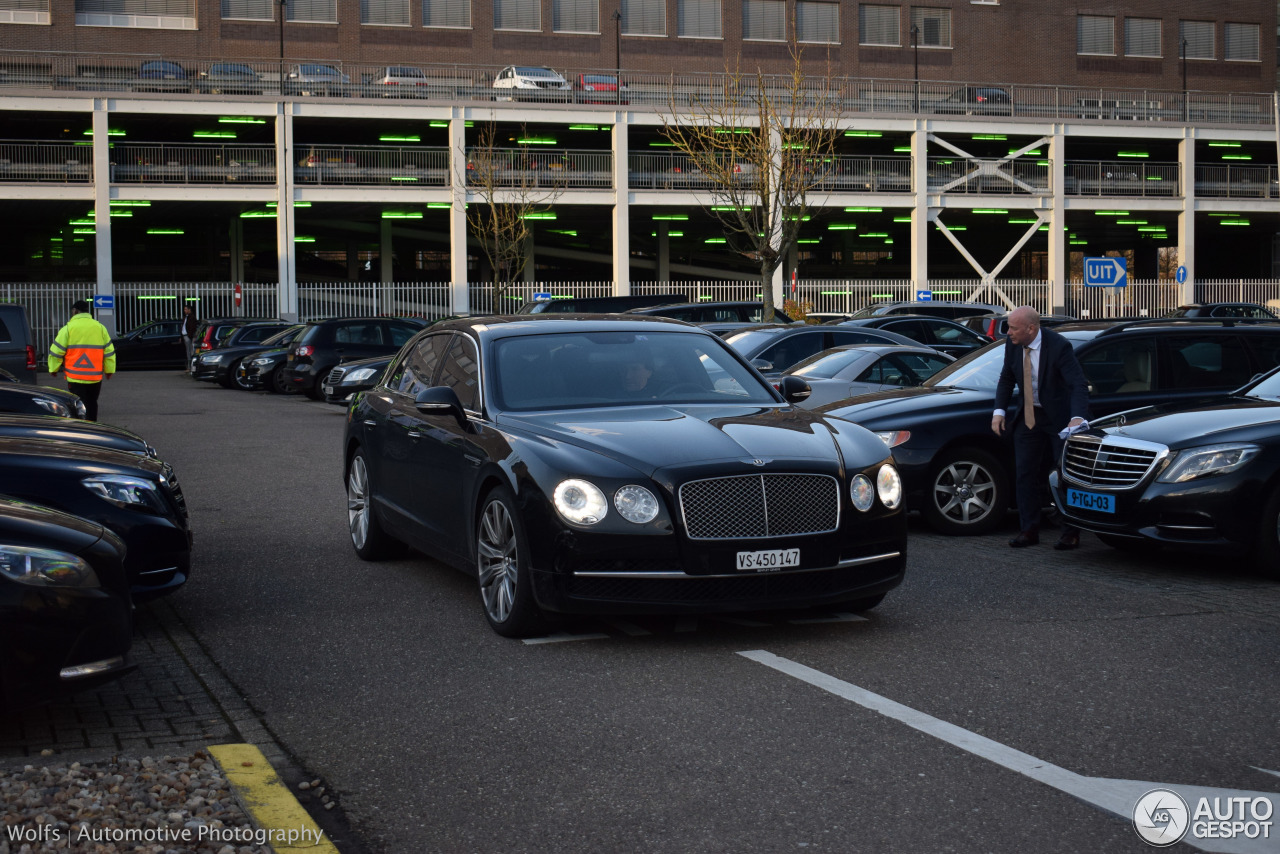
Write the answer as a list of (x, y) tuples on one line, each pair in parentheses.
[(1219, 514), (55, 641)]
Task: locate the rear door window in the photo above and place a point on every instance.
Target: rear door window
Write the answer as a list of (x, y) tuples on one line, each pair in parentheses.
[(416, 370), (1205, 362), (919, 366), (358, 333), (1122, 366), (400, 333), (791, 349)]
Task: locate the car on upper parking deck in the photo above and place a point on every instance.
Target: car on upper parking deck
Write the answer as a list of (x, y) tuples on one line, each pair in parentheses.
[(531, 83), (959, 474), (311, 78), (610, 464), (398, 81)]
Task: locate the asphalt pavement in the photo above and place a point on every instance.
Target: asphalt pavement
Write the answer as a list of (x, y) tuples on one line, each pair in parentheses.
[(697, 734)]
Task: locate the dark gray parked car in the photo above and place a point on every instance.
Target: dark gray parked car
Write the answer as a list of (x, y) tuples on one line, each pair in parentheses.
[(17, 347)]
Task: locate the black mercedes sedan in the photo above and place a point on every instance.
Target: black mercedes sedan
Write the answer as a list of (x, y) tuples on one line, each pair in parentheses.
[(265, 371), (351, 378), (1202, 477), (73, 430), (65, 615), (135, 496), (609, 464), (40, 400)]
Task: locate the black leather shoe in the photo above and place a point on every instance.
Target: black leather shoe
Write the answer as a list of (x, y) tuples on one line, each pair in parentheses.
[(1024, 539), (1069, 540)]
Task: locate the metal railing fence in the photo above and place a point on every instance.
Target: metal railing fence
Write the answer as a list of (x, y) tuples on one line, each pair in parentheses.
[(374, 299), (1237, 182), (372, 165), (58, 162), (539, 167), (1017, 177), (1115, 178), (76, 72), (192, 163)]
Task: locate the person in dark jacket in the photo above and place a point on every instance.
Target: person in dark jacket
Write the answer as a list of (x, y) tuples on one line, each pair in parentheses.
[(1053, 399), (189, 324)]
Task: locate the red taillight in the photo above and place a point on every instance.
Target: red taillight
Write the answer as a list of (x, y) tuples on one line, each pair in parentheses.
[(304, 350), (991, 327), (31, 358), (981, 98)]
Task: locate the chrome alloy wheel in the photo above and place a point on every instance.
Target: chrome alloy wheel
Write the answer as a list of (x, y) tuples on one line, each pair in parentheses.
[(498, 561), (358, 509), (963, 492)]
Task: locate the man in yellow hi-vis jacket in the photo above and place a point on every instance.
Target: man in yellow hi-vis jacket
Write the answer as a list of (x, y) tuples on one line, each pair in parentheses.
[(83, 349)]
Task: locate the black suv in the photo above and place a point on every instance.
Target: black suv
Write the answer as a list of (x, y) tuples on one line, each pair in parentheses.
[(17, 347), (325, 343), (959, 474), (1202, 477), (1223, 309)]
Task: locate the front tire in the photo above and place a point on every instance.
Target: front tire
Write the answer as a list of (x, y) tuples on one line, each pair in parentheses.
[(368, 538), (1266, 549), (277, 384), (502, 568), (968, 493)]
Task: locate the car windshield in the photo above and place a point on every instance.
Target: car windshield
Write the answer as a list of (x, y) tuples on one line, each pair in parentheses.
[(581, 370), (978, 370), (319, 70), (827, 364), (1268, 388), (546, 73)]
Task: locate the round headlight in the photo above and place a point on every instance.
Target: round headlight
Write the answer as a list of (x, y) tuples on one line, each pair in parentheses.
[(862, 492), (889, 486), (636, 504), (580, 501)]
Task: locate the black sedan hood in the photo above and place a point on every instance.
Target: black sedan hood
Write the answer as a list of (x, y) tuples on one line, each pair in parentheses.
[(89, 458), (1204, 423), (681, 435), (17, 425), (22, 523), (16, 390), (887, 409)]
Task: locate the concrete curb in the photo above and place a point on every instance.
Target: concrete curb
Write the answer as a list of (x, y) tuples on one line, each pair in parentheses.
[(268, 802)]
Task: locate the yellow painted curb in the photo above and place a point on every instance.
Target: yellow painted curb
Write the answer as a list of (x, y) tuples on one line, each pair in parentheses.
[(270, 804)]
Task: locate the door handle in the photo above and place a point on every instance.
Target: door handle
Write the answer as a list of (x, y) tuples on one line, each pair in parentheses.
[(414, 434), (369, 422)]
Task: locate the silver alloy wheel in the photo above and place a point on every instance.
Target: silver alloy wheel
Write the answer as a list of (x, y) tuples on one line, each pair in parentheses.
[(963, 492), (358, 502), (498, 561)]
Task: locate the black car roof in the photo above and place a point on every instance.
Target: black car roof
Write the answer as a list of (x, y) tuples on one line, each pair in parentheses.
[(510, 324)]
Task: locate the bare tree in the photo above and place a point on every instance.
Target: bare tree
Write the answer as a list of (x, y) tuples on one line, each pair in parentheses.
[(511, 185), (762, 143)]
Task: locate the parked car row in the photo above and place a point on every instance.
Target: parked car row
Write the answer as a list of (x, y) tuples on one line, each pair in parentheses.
[(91, 523)]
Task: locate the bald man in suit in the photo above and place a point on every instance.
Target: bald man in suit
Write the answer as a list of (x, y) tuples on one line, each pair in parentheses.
[(1053, 395)]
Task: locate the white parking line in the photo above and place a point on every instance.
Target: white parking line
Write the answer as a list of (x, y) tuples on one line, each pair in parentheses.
[(565, 637), (1114, 796)]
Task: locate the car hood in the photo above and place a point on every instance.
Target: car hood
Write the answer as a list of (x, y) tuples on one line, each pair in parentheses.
[(1219, 420), (36, 391), (889, 409), (22, 523), (90, 458), (648, 438), (14, 425)]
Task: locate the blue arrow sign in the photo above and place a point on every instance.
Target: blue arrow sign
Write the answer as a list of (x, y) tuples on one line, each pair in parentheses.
[(104, 301), (1182, 274), (1106, 272), (542, 297), (924, 296)]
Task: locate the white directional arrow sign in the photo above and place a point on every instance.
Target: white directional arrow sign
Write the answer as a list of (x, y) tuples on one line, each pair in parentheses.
[(1106, 272)]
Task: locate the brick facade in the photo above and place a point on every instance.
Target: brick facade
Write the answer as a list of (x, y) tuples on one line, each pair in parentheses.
[(1005, 41)]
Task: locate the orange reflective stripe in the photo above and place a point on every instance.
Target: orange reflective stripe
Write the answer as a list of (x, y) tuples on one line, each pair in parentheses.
[(84, 363)]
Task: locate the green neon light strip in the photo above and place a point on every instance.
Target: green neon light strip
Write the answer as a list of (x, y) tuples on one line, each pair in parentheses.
[(81, 222), (842, 227), (1224, 145), (295, 204), (129, 203), (902, 219), (819, 240), (584, 127), (258, 215), (301, 239), (902, 148), (733, 130), (671, 217), (1233, 222), (662, 144), (110, 132), (1132, 154), (990, 211), (439, 124), (874, 234), (869, 134), (1023, 222), (402, 214), (568, 232), (1110, 213), (214, 134), (165, 231), (546, 215), (83, 231), (997, 137), (1131, 222), (714, 240), (1237, 157), (535, 140), (240, 120), (439, 206), (863, 210), (402, 178), (399, 138), (158, 296), (956, 228)]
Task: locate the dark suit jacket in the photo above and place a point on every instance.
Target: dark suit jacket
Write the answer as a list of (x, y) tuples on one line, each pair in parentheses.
[(1064, 390)]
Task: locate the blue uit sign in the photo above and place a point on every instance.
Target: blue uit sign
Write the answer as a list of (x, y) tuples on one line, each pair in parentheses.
[(1106, 272)]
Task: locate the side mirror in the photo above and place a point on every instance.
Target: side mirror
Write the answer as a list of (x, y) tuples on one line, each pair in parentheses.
[(764, 366), (794, 389), (440, 400)]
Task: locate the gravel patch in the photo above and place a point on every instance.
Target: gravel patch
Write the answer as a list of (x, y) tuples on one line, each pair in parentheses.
[(171, 805)]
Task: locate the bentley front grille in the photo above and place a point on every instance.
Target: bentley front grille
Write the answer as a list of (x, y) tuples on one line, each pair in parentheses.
[(760, 505)]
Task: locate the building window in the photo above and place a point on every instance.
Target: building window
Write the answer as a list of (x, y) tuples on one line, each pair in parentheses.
[(817, 22), (446, 13), (1142, 37), (249, 10), (933, 27), (517, 15), (1240, 42), (24, 11), (699, 19), (644, 17), (149, 14), (575, 16), (764, 20), (388, 13), (879, 25), (312, 11), (1095, 35), (1198, 36)]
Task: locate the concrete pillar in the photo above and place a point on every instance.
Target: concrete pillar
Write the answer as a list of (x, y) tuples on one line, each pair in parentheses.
[(286, 249), (664, 251), (458, 212), (353, 261), (386, 253), (1187, 216), (102, 213), (530, 261), (235, 240), (621, 208), (920, 212), (1057, 223)]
